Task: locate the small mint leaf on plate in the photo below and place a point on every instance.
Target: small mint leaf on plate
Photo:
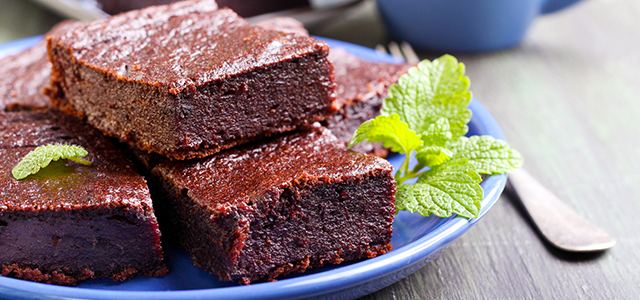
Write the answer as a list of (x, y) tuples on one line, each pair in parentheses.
[(488, 155), (40, 157), (450, 188), (390, 131), (430, 91)]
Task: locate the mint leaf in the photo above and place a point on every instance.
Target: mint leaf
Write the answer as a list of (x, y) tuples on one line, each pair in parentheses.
[(488, 155), (430, 91), (426, 112), (40, 157), (390, 131), (438, 133), (450, 188), (433, 152), (433, 156)]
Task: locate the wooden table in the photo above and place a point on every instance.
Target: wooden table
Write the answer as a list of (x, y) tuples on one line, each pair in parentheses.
[(569, 99)]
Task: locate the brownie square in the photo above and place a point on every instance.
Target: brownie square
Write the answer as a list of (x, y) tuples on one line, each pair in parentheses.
[(25, 76), (187, 82), (69, 221), (361, 86), (277, 207)]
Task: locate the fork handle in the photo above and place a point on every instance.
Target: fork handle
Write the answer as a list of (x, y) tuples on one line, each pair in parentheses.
[(557, 222)]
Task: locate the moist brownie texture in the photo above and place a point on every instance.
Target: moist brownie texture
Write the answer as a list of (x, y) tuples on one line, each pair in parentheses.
[(360, 88), (69, 221), (187, 84), (25, 76), (146, 160), (278, 206)]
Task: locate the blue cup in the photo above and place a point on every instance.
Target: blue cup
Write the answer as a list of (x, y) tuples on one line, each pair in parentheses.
[(464, 25)]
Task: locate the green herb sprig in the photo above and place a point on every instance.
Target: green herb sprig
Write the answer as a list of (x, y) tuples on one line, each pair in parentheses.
[(40, 157), (425, 114)]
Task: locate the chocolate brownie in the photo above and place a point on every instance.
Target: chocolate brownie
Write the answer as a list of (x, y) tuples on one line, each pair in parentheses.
[(188, 85), (279, 206), (25, 76), (360, 88), (69, 221), (148, 160)]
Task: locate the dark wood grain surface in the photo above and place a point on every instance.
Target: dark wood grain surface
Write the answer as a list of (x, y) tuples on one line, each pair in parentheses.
[(569, 99)]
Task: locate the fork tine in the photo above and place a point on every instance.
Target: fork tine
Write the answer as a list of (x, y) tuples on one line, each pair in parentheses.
[(380, 48), (394, 49), (404, 51), (409, 54)]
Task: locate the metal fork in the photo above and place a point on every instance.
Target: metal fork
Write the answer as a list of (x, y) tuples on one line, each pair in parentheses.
[(557, 222), (403, 51)]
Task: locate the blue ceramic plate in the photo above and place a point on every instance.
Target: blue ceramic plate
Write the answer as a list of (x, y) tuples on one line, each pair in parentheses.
[(416, 241)]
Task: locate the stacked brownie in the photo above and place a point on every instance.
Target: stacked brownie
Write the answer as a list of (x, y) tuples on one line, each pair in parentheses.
[(188, 86), (241, 176)]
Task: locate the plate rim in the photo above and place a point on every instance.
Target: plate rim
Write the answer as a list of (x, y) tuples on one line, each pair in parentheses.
[(322, 283)]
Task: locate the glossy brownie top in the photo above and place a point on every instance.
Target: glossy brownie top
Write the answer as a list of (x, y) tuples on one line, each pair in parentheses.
[(243, 175), (33, 129), (184, 44), (111, 179)]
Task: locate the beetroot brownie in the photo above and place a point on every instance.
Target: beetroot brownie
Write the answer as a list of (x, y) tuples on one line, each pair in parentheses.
[(360, 88), (187, 85), (278, 206), (69, 221)]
